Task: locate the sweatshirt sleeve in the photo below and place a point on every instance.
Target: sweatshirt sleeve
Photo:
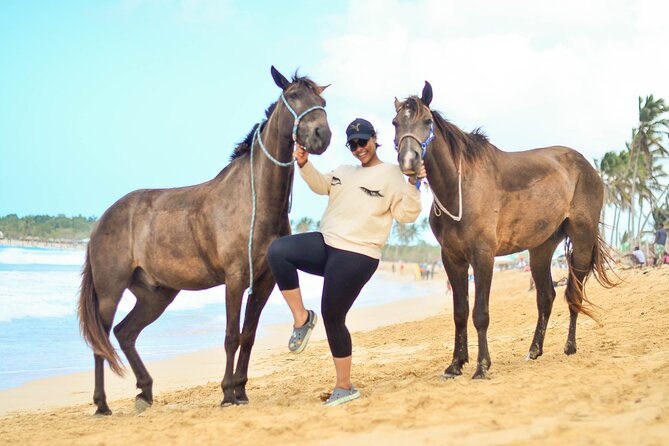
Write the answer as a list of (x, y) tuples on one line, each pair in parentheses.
[(317, 182), (406, 205)]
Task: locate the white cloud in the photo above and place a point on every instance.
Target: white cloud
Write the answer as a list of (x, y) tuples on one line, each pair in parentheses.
[(531, 74)]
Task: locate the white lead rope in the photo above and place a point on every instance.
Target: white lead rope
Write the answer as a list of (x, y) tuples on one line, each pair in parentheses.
[(439, 208), (256, 137)]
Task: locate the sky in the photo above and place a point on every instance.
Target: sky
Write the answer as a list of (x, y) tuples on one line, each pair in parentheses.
[(98, 99)]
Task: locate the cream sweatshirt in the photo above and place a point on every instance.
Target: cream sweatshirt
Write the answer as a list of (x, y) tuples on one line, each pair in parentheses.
[(362, 204)]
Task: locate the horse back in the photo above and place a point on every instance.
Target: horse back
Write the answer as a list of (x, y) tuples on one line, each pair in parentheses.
[(529, 196)]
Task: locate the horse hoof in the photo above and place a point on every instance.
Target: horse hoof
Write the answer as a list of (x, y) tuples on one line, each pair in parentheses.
[(532, 355), (451, 372), (103, 412), (480, 374), (242, 402), (569, 349), (225, 404), (141, 405)]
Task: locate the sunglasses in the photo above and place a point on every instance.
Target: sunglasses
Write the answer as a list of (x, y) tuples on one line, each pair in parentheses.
[(355, 143)]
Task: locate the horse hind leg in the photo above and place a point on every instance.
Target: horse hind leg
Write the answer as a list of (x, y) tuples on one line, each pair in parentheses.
[(540, 266), (583, 237), (107, 305), (262, 288), (149, 306)]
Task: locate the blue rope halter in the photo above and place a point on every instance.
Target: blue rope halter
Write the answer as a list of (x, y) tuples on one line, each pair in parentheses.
[(423, 144), (256, 137)]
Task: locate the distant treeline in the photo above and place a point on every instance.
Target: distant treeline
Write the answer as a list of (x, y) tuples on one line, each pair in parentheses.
[(420, 253), (46, 227), (60, 227)]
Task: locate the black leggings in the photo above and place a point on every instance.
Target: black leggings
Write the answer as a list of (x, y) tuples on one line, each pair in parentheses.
[(345, 274)]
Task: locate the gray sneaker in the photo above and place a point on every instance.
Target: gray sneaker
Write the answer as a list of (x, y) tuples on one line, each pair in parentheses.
[(341, 396), (300, 337)]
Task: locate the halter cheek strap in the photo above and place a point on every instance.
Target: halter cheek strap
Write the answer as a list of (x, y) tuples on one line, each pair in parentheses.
[(299, 117), (423, 144)]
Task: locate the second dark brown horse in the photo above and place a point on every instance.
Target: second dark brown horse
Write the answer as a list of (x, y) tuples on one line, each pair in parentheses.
[(488, 202)]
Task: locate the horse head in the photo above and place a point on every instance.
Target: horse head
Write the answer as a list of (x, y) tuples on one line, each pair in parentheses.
[(414, 129), (301, 112)]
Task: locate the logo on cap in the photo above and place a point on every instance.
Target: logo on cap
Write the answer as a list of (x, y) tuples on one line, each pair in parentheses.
[(355, 126)]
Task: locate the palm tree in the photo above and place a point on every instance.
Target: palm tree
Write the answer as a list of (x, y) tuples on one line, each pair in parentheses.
[(305, 224), (617, 184), (646, 145), (405, 233)]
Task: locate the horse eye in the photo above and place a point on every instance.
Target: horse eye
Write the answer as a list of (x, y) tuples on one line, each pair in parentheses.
[(428, 121)]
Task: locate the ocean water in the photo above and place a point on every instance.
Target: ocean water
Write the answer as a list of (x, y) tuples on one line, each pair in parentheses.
[(39, 329)]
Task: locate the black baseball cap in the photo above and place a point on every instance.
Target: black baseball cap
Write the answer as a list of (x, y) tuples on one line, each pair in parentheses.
[(359, 129)]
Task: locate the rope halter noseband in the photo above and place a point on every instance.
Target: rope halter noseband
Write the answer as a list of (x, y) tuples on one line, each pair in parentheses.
[(299, 117), (256, 137)]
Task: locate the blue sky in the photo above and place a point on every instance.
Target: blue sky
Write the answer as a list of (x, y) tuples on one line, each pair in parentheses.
[(101, 98)]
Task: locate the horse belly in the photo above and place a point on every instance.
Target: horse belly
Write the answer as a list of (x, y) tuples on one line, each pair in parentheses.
[(172, 256), (521, 234)]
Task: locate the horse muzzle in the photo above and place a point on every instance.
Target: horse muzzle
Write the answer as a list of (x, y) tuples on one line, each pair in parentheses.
[(318, 140), (409, 160)]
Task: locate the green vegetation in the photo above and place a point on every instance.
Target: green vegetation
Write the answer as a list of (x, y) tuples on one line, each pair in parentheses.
[(419, 253), (46, 227), (634, 179)]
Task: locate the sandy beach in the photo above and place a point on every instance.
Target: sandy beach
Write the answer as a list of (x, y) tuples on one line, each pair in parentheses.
[(615, 390)]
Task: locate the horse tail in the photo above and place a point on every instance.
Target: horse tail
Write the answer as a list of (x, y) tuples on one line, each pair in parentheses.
[(90, 322), (600, 267)]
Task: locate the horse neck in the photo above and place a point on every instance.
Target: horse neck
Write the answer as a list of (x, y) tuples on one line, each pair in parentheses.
[(442, 172), (273, 182)]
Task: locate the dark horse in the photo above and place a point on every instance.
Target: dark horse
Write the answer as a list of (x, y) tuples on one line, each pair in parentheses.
[(156, 242), (489, 203)]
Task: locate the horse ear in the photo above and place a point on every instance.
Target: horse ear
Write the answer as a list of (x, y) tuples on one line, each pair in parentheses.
[(426, 97), (398, 105), (279, 79), (323, 87)]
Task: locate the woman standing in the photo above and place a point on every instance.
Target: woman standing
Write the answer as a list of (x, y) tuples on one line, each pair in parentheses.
[(363, 201)]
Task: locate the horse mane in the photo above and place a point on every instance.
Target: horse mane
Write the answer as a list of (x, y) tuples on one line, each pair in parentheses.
[(245, 145), (472, 146)]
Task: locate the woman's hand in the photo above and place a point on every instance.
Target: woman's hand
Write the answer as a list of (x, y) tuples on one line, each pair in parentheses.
[(421, 174), (301, 155)]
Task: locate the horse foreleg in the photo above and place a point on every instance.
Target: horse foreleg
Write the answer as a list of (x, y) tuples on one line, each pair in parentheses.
[(233, 308), (262, 288), (149, 306), (483, 267), (457, 276)]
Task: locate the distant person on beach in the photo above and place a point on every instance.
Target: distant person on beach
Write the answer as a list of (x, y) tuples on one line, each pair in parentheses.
[(363, 201), (660, 242), (639, 255)]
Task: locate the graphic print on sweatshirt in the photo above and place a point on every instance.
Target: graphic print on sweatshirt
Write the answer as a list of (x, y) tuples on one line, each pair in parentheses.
[(372, 193), (335, 181)]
